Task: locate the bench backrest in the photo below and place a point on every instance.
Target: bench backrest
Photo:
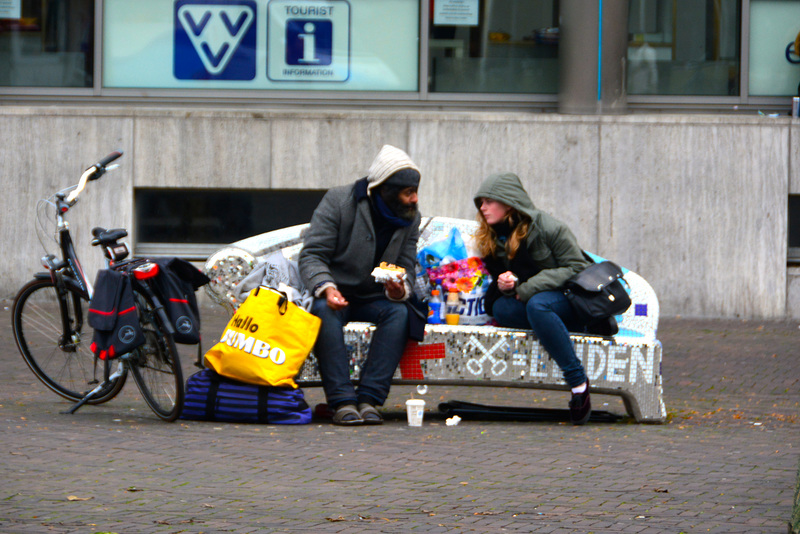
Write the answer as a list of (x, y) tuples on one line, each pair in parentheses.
[(231, 264)]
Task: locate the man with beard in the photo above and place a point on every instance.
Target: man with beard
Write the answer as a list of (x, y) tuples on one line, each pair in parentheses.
[(354, 229)]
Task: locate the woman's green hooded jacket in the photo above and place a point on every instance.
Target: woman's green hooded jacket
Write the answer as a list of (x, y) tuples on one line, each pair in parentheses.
[(550, 243)]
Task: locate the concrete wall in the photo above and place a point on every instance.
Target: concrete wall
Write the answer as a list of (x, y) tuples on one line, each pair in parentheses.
[(696, 204)]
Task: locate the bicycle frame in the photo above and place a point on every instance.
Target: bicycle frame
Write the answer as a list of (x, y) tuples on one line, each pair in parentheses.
[(70, 256), (67, 271)]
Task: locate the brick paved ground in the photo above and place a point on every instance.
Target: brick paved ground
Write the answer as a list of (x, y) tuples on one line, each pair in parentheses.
[(726, 461)]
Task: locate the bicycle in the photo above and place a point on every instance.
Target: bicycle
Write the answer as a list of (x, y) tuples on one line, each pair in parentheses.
[(49, 318)]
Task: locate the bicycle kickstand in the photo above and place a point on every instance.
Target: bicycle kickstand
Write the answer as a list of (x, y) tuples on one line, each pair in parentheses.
[(95, 391)]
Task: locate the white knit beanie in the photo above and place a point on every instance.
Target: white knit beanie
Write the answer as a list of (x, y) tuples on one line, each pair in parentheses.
[(388, 161)]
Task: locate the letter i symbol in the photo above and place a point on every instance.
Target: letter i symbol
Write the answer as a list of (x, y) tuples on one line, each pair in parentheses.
[(309, 44)]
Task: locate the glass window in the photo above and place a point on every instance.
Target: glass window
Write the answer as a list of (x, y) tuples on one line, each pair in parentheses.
[(493, 46), (684, 47), (774, 43), (218, 215), (46, 43), (338, 45)]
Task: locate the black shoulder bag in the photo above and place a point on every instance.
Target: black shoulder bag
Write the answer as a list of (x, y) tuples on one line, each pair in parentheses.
[(597, 295)]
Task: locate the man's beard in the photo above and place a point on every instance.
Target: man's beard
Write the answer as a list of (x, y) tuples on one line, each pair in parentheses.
[(407, 212)]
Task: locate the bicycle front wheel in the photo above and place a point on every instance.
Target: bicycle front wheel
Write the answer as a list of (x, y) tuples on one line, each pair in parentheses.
[(155, 365), (59, 357)]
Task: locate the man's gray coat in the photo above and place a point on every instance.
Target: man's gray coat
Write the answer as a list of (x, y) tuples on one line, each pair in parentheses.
[(339, 245)]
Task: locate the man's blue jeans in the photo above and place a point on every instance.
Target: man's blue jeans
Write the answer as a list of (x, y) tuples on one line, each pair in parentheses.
[(550, 315), (385, 350)]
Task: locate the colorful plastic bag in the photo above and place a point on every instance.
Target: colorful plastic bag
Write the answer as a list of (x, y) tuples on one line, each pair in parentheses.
[(472, 311), (471, 280), (447, 250)]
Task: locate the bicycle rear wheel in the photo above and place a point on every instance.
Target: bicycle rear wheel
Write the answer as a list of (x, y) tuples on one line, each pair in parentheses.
[(155, 365), (62, 361)]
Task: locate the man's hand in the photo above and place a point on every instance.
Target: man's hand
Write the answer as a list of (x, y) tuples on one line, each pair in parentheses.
[(395, 290), (336, 300), (506, 281)]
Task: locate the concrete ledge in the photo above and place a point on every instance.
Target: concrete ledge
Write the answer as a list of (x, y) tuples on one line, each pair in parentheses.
[(673, 196)]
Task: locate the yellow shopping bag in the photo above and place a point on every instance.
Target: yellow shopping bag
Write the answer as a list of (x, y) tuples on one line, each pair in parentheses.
[(266, 341)]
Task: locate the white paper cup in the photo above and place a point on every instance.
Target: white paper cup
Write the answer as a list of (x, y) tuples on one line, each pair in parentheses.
[(415, 409)]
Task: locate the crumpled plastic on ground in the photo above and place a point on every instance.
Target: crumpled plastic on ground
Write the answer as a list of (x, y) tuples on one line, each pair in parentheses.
[(453, 421)]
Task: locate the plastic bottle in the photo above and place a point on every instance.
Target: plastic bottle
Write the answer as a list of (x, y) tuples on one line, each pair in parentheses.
[(435, 305), (453, 307)]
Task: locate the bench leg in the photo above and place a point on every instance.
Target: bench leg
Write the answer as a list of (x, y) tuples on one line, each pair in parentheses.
[(645, 407)]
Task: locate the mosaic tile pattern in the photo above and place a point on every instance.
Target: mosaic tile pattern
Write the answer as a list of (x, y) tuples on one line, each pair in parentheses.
[(629, 364), (490, 356)]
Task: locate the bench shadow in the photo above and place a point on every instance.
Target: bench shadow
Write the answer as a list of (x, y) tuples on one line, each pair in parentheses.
[(470, 411)]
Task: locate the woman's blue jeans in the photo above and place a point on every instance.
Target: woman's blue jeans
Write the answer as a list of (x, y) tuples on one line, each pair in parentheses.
[(385, 350), (550, 315)]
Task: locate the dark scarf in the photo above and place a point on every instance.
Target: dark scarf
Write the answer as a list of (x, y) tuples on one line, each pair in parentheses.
[(503, 230), (383, 224), (386, 213)]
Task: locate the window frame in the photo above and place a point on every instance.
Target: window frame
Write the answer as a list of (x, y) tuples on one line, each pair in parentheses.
[(421, 98)]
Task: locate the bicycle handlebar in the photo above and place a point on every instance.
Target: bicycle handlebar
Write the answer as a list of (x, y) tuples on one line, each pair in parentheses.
[(108, 159), (92, 173)]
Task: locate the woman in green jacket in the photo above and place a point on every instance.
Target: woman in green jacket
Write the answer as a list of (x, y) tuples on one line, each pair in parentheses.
[(530, 255)]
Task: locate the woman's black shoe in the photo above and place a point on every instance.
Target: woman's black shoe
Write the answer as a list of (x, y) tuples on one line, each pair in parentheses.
[(580, 407)]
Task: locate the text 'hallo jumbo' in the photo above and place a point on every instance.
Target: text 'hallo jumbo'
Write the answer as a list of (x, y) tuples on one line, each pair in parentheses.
[(249, 344)]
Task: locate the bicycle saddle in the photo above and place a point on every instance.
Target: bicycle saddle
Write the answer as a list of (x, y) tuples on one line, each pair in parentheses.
[(105, 237)]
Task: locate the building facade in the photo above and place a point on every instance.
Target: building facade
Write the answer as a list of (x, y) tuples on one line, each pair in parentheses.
[(658, 129)]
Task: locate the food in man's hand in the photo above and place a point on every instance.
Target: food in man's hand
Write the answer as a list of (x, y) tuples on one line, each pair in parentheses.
[(387, 272)]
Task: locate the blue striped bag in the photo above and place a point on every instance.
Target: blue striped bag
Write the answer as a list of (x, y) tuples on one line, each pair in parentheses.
[(211, 397)]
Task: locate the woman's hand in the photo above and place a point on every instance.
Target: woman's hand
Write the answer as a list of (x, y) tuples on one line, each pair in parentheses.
[(506, 281)]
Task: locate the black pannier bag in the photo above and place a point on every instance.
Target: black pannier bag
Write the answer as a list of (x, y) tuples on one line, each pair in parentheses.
[(597, 294), (113, 315), (177, 282)]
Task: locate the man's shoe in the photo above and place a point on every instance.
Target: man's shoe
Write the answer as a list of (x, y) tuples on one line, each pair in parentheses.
[(347, 415), (580, 407), (369, 414)]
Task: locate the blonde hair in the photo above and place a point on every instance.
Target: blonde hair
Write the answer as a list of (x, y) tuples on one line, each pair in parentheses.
[(486, 237)]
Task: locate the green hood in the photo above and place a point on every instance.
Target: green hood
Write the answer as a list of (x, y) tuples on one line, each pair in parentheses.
[(550, 243), (506, 187)]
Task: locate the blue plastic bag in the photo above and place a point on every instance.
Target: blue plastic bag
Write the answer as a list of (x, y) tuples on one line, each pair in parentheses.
[(447, 250)]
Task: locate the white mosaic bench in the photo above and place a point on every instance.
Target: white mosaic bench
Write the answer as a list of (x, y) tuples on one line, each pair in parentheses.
[(626, 365)]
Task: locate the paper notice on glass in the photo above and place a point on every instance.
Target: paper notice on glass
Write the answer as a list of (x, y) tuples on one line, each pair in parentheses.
[(10, 9), (455, 12)]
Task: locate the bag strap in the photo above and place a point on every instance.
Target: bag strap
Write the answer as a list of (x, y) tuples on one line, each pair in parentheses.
[(283, 303), (211, 399), (263, 404), (283, 299)]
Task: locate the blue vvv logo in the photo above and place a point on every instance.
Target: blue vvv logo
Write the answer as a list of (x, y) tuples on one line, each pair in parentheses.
[(215, 40)]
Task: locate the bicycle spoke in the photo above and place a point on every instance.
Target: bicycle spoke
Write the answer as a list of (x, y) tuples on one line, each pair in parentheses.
[(47, 324), (66, 366)]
